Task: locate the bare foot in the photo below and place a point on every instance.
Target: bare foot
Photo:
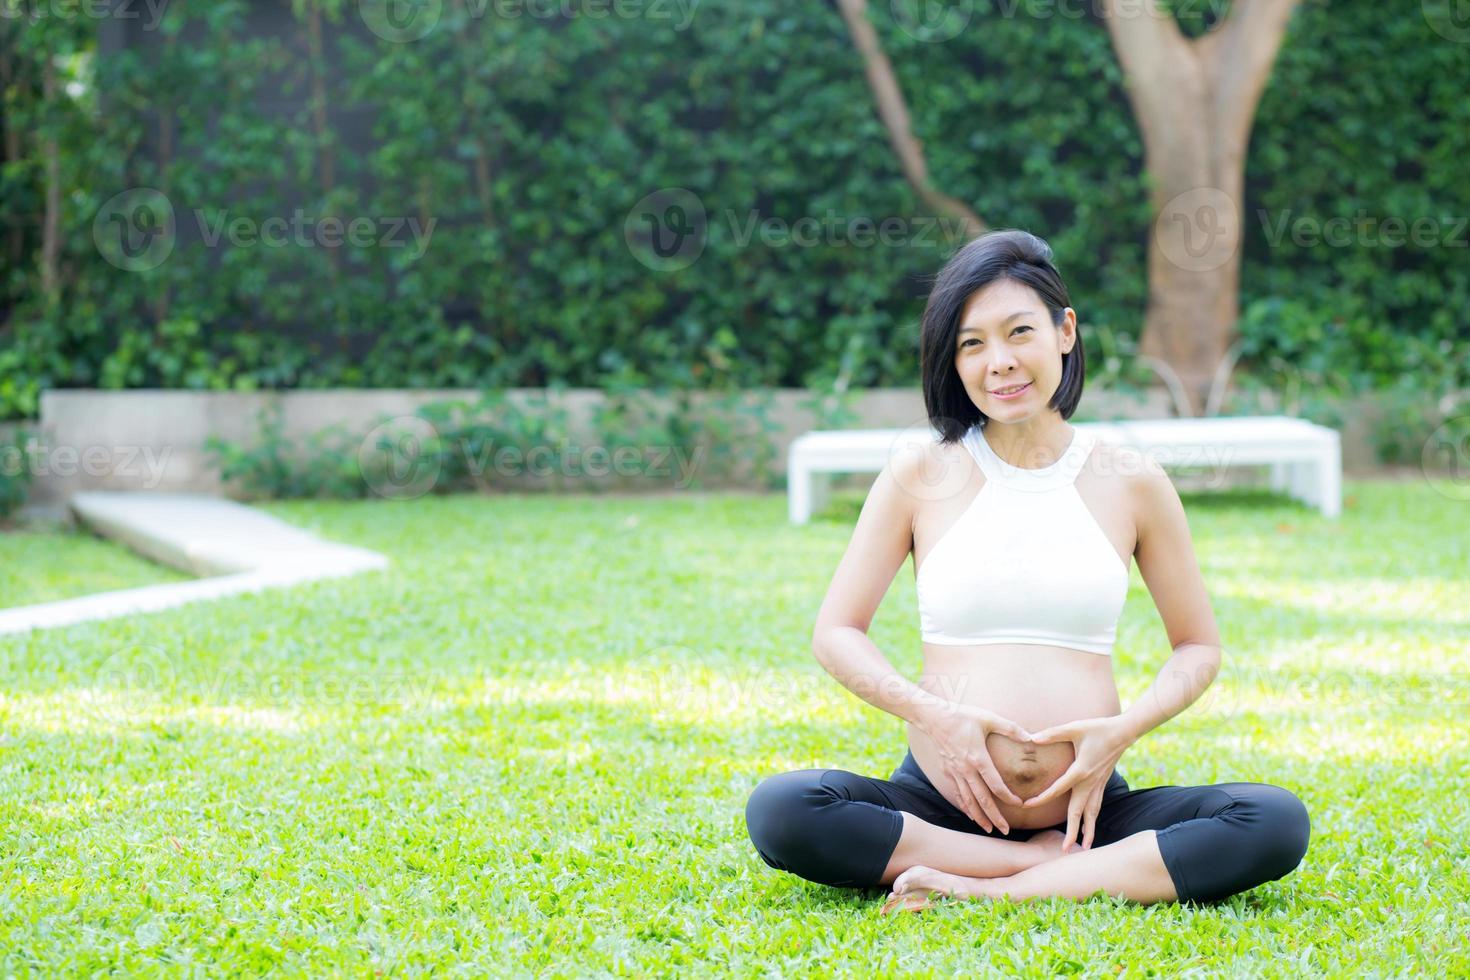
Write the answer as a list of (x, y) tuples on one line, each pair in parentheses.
[(913, 889)]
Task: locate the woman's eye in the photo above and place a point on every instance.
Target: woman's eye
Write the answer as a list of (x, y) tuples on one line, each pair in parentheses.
[(1013, 333)]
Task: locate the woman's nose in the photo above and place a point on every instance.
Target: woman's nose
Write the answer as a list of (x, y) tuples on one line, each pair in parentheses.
[(1003, 361)]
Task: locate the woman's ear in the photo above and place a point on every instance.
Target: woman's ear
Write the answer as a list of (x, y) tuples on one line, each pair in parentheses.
[(1069, 329)]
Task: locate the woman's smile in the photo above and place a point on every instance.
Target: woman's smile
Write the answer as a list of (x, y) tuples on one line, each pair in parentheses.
[(1006, 394)]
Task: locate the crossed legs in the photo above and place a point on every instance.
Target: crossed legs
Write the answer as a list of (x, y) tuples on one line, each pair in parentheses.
[(1132, 868), (966, 855), (1163, 843)]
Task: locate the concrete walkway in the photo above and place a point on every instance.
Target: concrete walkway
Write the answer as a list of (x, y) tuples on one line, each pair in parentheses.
[(244, 550)]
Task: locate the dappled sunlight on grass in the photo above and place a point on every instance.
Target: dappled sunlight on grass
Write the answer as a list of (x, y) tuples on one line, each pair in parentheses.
[(1342, 741), (93, 711), (1447, 601), (689, 694)]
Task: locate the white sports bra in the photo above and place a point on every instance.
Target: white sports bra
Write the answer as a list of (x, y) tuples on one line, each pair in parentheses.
[(1026, 562)]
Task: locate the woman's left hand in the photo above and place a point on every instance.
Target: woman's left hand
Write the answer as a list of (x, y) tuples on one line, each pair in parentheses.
[(1099, 743)]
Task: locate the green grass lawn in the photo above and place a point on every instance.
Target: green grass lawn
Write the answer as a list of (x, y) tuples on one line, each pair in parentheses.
[(526, 749), (44, 562)]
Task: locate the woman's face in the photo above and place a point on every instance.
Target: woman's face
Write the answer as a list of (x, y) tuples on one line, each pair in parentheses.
[(1006, 338)]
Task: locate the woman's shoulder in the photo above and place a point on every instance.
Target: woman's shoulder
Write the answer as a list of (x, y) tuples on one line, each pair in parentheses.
[(929, 470), (914, 452), (1130, 477), (1139, 479)]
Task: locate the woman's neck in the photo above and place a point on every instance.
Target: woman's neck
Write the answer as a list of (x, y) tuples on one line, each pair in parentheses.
[(1031, 444)]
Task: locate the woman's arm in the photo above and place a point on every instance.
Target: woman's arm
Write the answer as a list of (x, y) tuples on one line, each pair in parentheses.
[(881, 541), (1166, 559)]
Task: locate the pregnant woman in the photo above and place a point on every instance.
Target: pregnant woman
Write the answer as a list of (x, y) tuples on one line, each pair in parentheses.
[(1021, 527)]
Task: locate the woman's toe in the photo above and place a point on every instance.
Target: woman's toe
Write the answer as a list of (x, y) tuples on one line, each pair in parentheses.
[(911, 878), (906, 902)]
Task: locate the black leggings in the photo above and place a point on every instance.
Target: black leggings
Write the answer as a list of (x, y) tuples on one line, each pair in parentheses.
[(838, 828)]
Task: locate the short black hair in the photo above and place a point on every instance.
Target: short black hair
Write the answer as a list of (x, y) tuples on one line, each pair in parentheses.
[(1008, 254)]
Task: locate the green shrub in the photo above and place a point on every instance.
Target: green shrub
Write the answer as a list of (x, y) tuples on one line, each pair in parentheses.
[(15, 471), (456, 445), (273, 465)]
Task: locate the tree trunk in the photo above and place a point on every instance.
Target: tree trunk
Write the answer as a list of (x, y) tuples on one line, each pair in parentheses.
[(166, 121), (1195, 102), (51, 156), (326, 153), (10, 81)]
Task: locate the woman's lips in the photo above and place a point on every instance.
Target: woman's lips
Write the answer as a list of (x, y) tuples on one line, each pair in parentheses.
[(1015, 394)]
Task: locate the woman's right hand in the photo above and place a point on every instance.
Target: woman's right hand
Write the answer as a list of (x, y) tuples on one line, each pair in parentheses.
[(959, 731)]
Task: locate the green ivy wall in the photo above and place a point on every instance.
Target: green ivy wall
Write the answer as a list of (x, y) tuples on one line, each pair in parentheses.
[(528, 140)]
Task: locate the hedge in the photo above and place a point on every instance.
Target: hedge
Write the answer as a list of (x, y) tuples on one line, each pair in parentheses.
[(530, 142)]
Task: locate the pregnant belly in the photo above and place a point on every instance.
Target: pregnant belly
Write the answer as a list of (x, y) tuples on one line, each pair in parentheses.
[(1034, 686)]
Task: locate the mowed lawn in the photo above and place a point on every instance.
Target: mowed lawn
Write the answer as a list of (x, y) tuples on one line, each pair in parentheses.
[(526, 749), (46, 562)]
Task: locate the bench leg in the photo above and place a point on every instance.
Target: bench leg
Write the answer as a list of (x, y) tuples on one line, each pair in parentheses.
[(821, 484), (1280, 477), (1304, 482), (1316, 483), (798, 494), (1329, 480)]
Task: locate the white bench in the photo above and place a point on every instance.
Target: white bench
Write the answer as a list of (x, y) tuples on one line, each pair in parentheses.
[(1305, 458)]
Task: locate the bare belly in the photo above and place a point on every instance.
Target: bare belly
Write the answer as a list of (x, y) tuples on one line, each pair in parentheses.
[(1032, 685)]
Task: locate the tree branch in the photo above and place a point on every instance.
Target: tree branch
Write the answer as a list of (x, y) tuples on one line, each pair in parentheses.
[(1240, 53), (51, 155), (1162, 72), (895, 115)]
